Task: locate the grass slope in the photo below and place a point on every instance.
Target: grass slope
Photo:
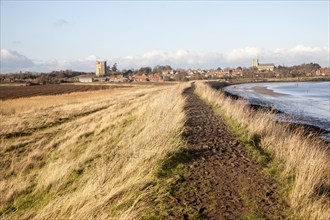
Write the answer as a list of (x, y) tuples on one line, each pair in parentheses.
[(86, 155)]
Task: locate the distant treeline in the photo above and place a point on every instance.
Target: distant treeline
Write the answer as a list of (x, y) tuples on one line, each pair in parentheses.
[(66, 76), (302, 70), (42, 78)]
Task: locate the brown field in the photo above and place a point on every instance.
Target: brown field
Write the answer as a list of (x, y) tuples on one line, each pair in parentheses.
[(13, 92)]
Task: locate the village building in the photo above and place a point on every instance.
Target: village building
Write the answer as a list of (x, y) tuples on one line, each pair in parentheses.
[(323, 72), (118, 78), (167, 72), (123, 79), (215, 73), (101, 67), (263, 66), (140, 78), (227, 72), (85, 79), (237, 72), (155, 78), (218, 73), (196, 71)]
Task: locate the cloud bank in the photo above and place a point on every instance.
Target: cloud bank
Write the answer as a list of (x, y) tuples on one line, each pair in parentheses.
[(60, 23), (12, 61), (237, 57)]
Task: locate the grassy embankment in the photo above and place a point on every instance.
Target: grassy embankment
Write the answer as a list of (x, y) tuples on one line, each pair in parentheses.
[(300, 161), (86, 155)]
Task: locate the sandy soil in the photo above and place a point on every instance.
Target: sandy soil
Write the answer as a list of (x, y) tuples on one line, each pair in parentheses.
[(223, 182), (266, 91)]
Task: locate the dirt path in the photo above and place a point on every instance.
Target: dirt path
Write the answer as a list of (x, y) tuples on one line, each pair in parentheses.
[(223, 182)]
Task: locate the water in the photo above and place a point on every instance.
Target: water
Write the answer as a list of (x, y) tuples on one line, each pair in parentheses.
[(301, 102)]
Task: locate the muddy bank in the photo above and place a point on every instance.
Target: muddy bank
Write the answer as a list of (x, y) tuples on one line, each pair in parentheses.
[(266, 91)]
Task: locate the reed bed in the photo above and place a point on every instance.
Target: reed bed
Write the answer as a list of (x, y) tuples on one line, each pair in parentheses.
[(303, 158), (87, 155)]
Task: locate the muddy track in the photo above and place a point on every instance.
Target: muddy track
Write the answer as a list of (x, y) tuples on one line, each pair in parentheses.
[(223, 182)]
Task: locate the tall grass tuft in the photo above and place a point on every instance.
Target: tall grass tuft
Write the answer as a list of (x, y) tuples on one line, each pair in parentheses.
[(305, 158)]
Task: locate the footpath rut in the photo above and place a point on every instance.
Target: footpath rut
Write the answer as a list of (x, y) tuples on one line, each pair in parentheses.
[(223, 181)]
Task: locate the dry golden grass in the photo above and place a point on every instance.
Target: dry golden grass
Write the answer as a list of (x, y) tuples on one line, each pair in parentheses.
[(305, 158), (36, 103), (85, 155)]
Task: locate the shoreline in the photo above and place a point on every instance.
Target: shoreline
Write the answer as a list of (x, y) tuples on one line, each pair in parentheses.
[(293, 125), (291, 146), (266, 91)]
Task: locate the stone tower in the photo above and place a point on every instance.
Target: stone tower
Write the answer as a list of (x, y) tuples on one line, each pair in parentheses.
[(255, 63), (101, 67)]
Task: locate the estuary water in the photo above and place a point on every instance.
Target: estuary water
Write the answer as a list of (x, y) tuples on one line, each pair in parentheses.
[(301, 102)]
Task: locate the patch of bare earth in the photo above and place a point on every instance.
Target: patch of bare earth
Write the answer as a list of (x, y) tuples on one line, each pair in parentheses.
[(13, 92), (223, 182)]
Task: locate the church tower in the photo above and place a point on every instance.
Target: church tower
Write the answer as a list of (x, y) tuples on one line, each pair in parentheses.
[(101, 67), (255, 63)]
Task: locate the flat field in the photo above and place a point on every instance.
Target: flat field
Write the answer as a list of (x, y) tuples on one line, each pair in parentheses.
[(12, 92)]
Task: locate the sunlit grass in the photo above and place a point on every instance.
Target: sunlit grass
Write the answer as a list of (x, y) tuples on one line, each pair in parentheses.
[(86, 155)]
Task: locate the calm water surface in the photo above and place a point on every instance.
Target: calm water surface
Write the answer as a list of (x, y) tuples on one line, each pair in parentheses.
[(301, 102)]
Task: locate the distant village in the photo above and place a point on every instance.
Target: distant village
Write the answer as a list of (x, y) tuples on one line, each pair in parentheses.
[(105, 73), (158, 74), (166, 73)]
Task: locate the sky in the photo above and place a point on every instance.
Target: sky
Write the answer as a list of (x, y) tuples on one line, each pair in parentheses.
[(59, 35)]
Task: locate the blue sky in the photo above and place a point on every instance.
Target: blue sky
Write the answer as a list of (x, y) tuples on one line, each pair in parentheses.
[(53, 35)]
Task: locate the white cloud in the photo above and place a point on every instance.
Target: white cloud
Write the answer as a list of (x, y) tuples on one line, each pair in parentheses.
[(60, 23), (179, 58), (85, 64), (16, 42), (301, 54), (243, 53), (12, 61), (237, 57)]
